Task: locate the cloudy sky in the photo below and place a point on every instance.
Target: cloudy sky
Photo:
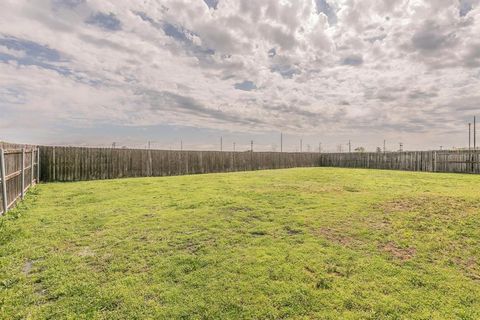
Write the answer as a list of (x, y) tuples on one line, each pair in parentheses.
[(92, 72)]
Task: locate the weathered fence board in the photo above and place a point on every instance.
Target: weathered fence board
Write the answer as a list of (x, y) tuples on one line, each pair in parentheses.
[(19, 170)]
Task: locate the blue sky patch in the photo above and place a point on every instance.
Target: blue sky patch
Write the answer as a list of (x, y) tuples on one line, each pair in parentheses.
[(34, 54), (286, 71), (328, 10), (465, 7), (353, 60), (180, 34), (105, 21), (212, 4), (31, 49), (246, 85), (67, 3), (272, 52), (175, 32)]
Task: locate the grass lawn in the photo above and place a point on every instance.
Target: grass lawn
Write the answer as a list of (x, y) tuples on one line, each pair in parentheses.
[(315, 243)]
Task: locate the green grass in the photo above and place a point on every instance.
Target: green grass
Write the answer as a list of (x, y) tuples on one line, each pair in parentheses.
[(303, 243)]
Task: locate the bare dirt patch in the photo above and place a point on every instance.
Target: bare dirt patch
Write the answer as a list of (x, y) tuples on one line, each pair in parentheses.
[(86, 252), (335, 236), (431, 204), (402, 254), (470, 267), (27, 267)]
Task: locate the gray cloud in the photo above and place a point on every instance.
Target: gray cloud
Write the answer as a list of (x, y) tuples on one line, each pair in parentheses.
[(12, 96), (419, 94), (353, 60), (432, 37), (162, 101), (472, 56), (279, 36)]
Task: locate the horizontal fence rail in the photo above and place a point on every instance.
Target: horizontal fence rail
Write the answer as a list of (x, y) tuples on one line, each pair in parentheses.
[(80, 164), (19, 170)]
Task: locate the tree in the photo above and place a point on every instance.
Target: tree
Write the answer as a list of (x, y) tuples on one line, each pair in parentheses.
[(360, 149)]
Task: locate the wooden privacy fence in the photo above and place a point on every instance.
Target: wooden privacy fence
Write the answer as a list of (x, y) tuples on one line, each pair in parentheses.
[(19, 170), (458, 161), (76, 164)]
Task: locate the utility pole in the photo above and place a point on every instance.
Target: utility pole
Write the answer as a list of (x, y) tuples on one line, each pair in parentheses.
[(148, 145), (474, 133), (349, 146), (319, 147), (181, 145), (401, 146), (113, 145), (384, 146), (281, 142), (221, 143), (301, 145), (251, 146), (469, 136)]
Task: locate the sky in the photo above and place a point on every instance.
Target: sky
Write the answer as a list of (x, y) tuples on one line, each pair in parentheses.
[(186, 73)]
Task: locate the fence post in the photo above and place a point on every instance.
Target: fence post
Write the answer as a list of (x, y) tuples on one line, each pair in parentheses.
[(4, 181), (54, 165), (150, 169), (435, 161), (23, 174), (32, 166), (38, 166)]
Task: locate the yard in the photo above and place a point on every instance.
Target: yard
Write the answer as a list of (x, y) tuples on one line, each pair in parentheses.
[(315, 243)]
